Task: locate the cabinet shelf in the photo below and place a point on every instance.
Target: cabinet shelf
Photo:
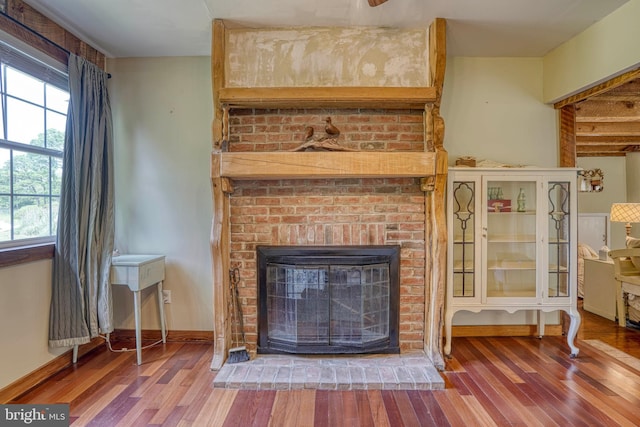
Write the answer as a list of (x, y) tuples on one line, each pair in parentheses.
[(512, 265), (506, 213), (459, 268), (511, 238), (511, 294)]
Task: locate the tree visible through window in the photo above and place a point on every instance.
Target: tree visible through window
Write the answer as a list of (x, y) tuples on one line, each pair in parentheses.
[(34, 101)]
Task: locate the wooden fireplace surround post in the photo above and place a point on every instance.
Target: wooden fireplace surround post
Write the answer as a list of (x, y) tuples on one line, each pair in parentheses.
[(430, 166)]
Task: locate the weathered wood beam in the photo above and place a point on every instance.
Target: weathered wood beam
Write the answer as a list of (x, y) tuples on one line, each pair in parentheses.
[(616, 97), (568, 136), (599, 89), (608, 128), (602, 148), (608, 139), (324, 97), (46, 35), (217, 79), (603, 154), (437, 56), (323, 164), (619, 111), (436, 250), (630, 87), (220, 257)]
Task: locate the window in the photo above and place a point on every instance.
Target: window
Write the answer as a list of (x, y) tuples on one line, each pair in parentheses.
[(34, 99)]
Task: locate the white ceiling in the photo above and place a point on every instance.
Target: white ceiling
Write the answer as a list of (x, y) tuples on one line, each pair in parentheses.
[(130, 28)]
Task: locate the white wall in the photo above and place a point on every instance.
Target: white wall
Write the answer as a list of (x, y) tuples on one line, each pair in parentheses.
[(162, 134), (25, 294), (632, 161), (607, 48), (493, 110)]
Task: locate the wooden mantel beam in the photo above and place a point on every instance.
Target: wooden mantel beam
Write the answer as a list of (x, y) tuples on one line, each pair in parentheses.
[(323, 164), (323, 97)]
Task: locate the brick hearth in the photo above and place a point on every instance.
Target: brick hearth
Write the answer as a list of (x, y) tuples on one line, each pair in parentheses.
[(408, 371)]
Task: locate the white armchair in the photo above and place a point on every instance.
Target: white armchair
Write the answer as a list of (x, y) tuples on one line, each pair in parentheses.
[(627, 276)]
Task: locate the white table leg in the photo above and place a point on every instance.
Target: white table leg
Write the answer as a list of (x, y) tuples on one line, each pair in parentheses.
[(161, 305), (137, 308)]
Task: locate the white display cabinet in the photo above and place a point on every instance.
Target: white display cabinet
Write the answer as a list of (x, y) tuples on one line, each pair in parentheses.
[(512, 243)]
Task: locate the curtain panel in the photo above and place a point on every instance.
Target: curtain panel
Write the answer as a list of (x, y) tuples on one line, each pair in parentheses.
[(81, 304)]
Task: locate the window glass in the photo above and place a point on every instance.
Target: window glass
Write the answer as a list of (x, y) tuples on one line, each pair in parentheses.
[(56, 125), (5, 218), (31, 173), (33, 118), (23, 86), (57, 99), (5, 171), (2, 135), (24, 122), (31, 216)]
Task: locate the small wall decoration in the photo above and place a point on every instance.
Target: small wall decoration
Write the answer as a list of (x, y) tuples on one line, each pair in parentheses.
[(591, 180)]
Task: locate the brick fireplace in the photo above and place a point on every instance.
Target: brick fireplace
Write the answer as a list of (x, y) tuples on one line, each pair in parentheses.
[(311, 212), (381, 183)]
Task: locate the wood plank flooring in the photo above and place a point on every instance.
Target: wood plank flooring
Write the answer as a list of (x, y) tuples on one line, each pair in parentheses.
[(499, 381)]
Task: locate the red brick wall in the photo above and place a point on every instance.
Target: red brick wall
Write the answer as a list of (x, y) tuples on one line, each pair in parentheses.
[(376, 130), (330, 211)]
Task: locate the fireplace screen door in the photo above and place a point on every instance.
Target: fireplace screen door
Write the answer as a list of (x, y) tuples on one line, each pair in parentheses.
[(313, 302)]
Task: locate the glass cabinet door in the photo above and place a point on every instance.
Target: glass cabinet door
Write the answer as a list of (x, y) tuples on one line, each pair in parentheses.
[(559, 239), (463, 223), (511, 242)]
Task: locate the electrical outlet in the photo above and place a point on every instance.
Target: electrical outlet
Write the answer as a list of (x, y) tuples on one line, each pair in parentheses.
[(166, 296)]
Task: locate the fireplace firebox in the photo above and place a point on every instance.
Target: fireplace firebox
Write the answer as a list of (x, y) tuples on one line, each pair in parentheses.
[(328, 299)]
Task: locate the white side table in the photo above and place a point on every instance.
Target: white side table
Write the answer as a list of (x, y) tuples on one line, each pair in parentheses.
[(139, 272)]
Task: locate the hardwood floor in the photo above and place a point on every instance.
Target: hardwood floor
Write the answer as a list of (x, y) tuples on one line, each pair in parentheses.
[(489, 381)]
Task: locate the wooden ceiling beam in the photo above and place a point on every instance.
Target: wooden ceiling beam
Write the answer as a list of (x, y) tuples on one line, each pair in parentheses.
[(602, 154), (607, 118), (597, 111), (608, 128), (599, 89), (604, 147), (608, 139), (615, 97)]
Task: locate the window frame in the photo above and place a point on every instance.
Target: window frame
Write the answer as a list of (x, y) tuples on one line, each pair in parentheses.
[(24, 58)]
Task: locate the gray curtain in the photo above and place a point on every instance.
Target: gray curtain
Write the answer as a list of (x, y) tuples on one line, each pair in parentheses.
[(81, 305)]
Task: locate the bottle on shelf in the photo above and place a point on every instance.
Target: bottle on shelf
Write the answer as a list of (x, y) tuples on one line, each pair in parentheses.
[(522, 201)]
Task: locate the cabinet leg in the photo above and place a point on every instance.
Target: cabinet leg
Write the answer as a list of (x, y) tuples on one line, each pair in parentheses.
[(541, 323), (448, 318), (573, 330)]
